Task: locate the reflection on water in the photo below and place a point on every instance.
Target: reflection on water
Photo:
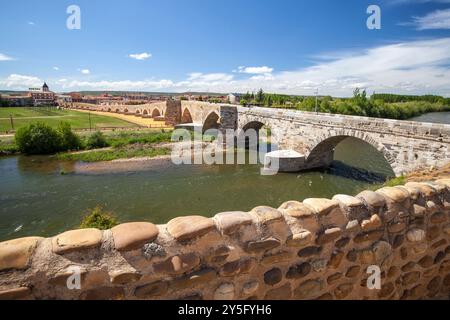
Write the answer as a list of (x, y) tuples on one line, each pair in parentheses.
[(36, 199)]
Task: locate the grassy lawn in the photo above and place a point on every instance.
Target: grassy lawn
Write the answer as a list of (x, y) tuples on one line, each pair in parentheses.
[(78, 120)]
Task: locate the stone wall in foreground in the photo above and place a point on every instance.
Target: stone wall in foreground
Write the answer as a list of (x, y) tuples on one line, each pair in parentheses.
[(315, 249)]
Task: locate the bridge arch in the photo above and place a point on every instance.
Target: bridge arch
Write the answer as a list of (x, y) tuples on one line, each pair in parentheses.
[(125, 110), (321, 153), (186, 117), (212, 121), (145, 112), (117, 110), (156, 113)]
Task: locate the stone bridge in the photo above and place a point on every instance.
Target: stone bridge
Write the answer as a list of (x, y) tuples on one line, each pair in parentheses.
[(407, 146)]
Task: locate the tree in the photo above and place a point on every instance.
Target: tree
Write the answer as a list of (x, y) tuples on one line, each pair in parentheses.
[(260, 96)]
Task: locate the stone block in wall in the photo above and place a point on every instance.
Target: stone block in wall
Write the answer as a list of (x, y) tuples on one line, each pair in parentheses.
[(76, 240), (133, 235), (16, 254), (329, 213), (188, 228), (231, 222)]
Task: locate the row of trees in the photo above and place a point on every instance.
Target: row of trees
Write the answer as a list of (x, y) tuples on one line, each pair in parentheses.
[(378, 105)]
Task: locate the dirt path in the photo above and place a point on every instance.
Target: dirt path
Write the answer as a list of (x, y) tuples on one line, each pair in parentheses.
[(146, 122), (431, 174)]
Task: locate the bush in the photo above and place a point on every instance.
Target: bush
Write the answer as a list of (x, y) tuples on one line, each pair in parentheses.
[(38, 138), (98, 218), (97, 140), (69, 140)]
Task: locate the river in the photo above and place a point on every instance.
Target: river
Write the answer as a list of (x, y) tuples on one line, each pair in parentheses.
[(36, 199)]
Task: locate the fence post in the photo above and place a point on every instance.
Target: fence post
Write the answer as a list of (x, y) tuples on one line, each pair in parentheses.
[(12, 121)]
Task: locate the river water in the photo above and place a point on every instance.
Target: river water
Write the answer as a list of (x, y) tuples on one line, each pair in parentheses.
[(36, 199)]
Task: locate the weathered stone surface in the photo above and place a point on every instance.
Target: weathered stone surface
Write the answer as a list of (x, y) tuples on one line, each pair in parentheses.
[(152, 289), (386, 290), (352, 255), (328, 235), (438, 244), (353, 271), (276, 258), (369, 236), (224, 292), (438, 217), (410, 278), (445, 182), (76, 240), (194, 279), (319, 265), (296, 209), (439, 257), (426, 262), (16, 254), (342, 243), (309, 289), (336, 259), (250, 287), (262, 245), (232, 268), (273, 276), (309, 251), (334, 278), (103, 293), (398, 241), (322, 206), (415, 235), (348, 201), (373, 223), (424, 188), (419, 211), (124, 277), (230, 222), (187, 228), (177, 264), (352, 226), (15, 293), (434, 284), (151, 250), (281, 293), (133, 235), (328, 212), (396, 227), (382, 250), (343, 290), (326, 296), (394, 194), (298, 271), (393, 272), (372, 198), (267, 215), (299, 239)]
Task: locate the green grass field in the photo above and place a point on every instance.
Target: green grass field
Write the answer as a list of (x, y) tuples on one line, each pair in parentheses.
[(78, 120)]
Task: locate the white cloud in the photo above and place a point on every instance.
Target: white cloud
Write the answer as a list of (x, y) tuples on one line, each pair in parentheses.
[(31, 23), (255, 70), (413, 67), (56, 68), (20, 82), (140, 56), (439, 19), (85, 71), (4, 57)]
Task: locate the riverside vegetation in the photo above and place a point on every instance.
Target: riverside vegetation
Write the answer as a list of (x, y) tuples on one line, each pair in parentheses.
[(389, 106), (40, 138)]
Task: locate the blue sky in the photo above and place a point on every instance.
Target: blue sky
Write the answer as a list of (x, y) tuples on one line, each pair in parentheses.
[(227, 45)]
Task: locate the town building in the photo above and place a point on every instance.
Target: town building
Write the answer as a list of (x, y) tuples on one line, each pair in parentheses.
[(234, 98), (42, 96)]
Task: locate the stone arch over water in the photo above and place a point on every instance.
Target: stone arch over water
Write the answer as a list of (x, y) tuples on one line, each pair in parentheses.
[(212, 121), (321, 152)]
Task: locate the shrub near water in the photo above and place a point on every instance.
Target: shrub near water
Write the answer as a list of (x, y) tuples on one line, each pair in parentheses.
[(97, 140), (98, 218), (38, 138)]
